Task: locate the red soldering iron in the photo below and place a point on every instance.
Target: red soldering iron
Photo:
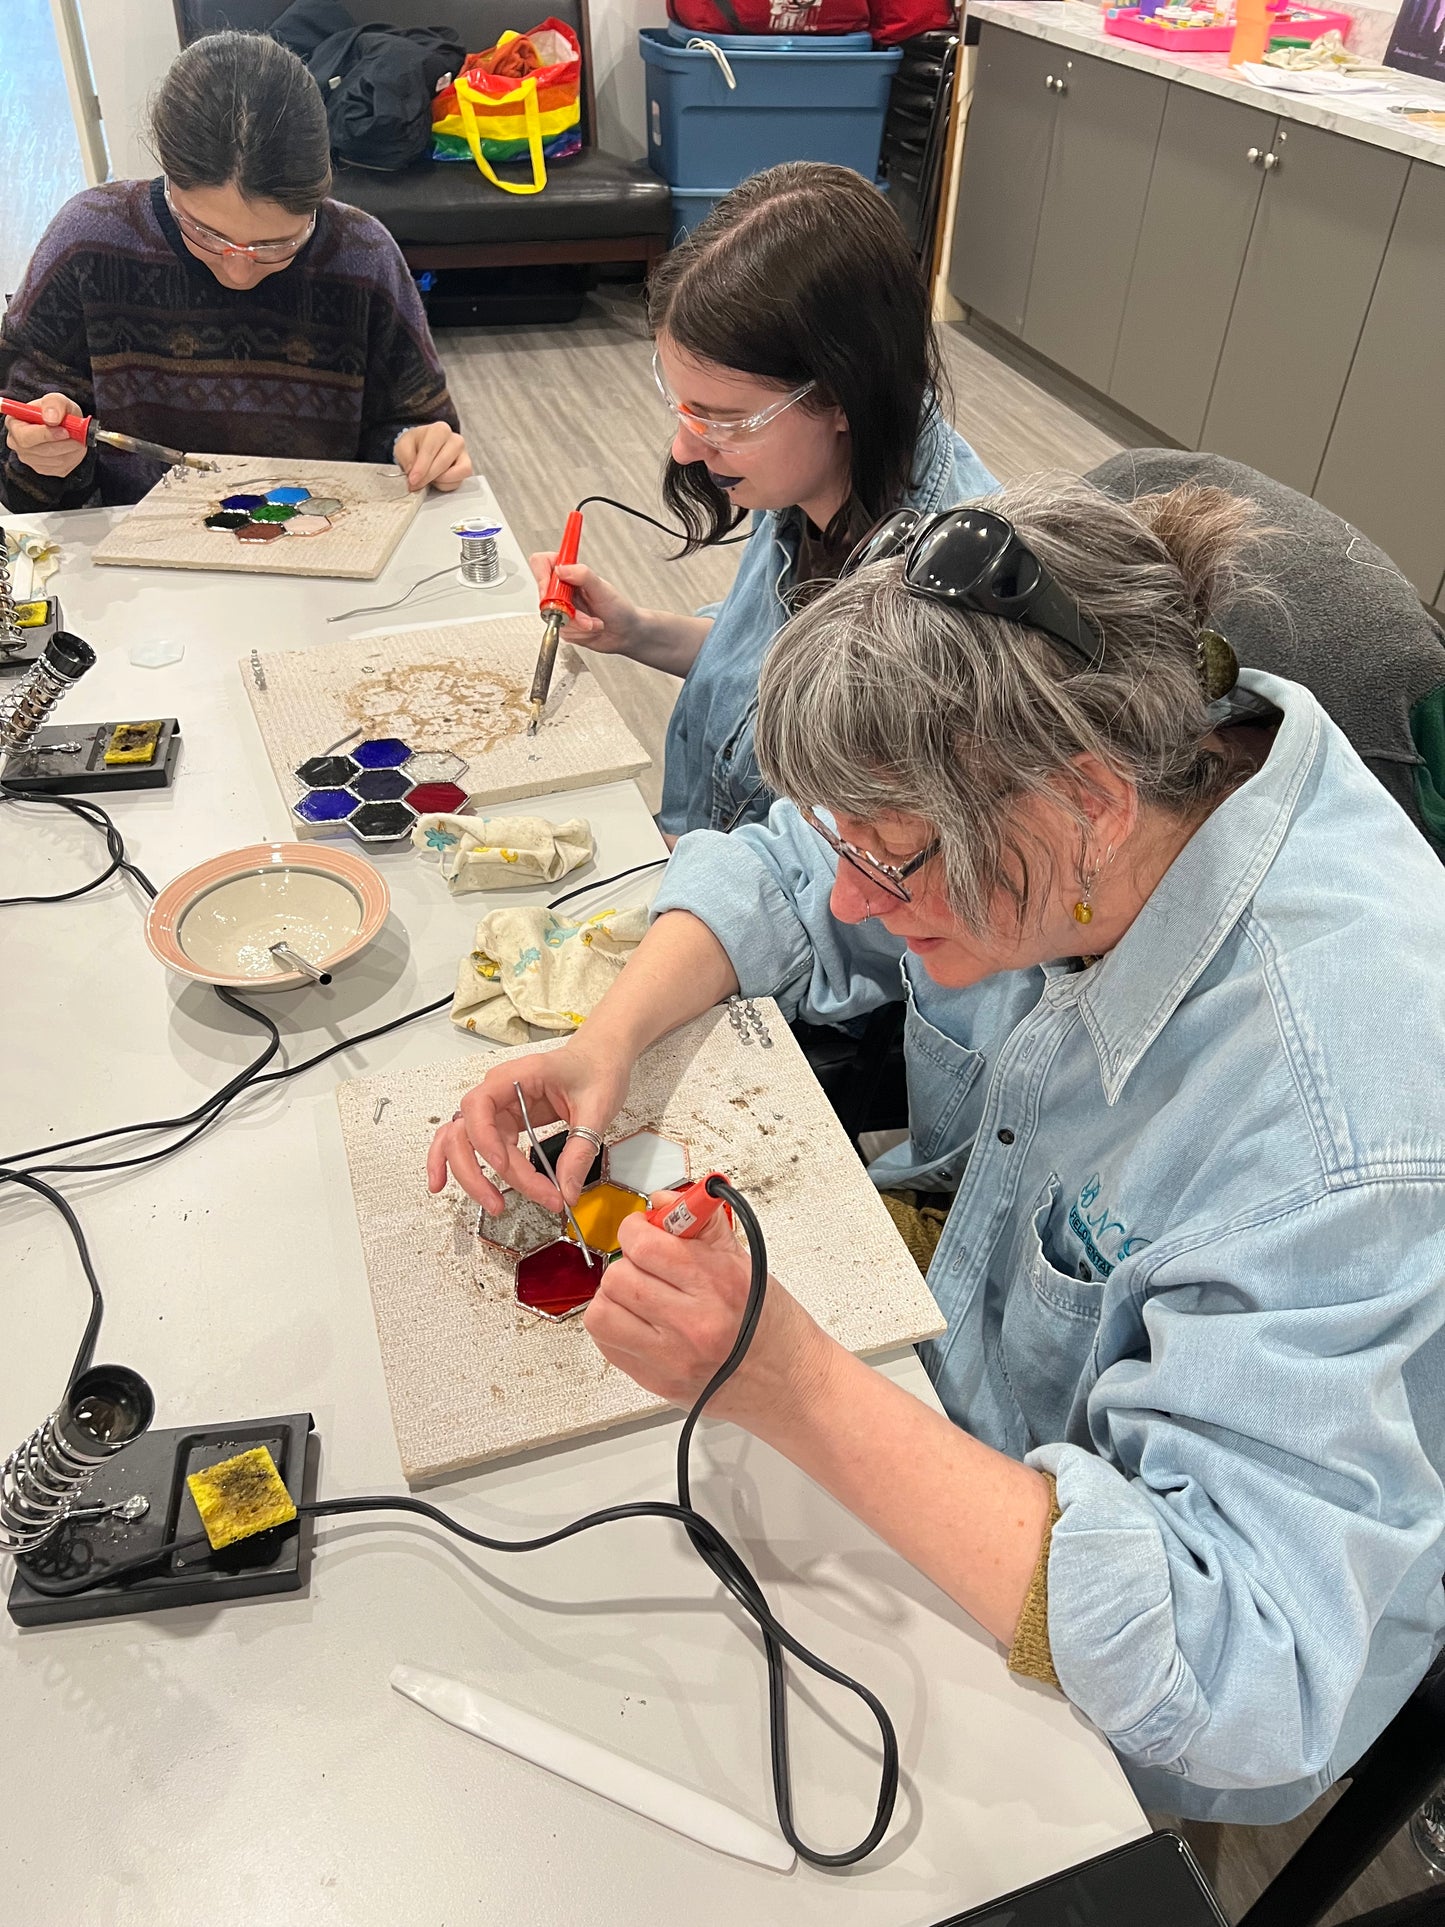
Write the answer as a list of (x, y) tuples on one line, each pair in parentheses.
[(559, 601), (82, 429), (690, 1209)]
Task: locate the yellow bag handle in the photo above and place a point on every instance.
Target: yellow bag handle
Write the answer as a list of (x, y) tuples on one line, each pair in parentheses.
[(526, 95)]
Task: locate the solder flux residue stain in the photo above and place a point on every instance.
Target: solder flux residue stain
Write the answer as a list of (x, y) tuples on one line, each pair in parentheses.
[(469, 710)]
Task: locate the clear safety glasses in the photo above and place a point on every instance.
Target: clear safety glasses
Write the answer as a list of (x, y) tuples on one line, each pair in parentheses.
[(724, 435)]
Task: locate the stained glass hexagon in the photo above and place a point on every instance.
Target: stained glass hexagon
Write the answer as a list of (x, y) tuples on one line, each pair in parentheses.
[(435, 766), (520, 1227), (556, 1280), (600, 1213), (325, 806), (435, 799), (553, 1143), (647, 1162), (380, 785), (381, 752), (326, 772), (382, 822)]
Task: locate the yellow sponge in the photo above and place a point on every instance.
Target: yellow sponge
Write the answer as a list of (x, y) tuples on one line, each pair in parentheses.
[(241, 1496)]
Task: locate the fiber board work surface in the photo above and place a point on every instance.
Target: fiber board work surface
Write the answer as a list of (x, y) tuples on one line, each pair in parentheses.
[(461, 686), (167, 530), (471, 1375)]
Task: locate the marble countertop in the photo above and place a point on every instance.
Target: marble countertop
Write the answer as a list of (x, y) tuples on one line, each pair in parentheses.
[(1069, 23)]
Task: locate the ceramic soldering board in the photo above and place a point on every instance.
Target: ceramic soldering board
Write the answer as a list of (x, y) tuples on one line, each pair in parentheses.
[(471, 1375), (459, 686), (167, 528)]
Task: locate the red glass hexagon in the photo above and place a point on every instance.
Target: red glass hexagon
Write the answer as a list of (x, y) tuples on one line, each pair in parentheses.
[(556, 1281), (437, 799)]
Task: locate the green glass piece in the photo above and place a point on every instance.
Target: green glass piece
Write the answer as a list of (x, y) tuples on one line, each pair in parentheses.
[(272, 512)]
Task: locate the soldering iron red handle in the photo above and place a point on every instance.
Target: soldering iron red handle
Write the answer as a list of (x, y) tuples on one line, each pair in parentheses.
[(77, 427), (559, 597)]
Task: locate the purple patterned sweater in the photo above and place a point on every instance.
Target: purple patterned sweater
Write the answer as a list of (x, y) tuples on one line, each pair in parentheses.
[(329, 359)]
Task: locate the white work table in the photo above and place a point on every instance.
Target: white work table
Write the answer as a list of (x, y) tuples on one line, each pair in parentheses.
[(250, 1767)]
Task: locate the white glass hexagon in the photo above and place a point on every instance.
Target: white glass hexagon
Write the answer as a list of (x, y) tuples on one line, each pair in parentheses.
[(647, 1162), (435, 766)]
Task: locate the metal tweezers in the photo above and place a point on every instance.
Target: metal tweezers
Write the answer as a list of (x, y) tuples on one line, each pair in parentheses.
[(546, 1162)]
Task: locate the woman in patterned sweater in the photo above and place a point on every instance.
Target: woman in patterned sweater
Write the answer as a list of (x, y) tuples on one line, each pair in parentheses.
[(228, 306)]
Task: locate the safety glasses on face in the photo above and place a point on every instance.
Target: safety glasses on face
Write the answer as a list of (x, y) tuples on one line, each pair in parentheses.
[(892, 878), (210, 242), (971, 558), (723, 435)]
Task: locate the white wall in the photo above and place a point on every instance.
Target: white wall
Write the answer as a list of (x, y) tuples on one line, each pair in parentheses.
[(621, 93), (133, 41)]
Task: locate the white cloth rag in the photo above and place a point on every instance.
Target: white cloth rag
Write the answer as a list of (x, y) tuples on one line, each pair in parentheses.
[(500, 852)]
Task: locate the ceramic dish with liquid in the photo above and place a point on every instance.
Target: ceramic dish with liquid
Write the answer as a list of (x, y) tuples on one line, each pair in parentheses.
[(216, 924)]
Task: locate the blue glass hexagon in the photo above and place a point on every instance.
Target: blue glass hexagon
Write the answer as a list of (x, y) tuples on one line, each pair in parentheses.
[(325, 806), (382, 752), (288, 496), (380, 785)]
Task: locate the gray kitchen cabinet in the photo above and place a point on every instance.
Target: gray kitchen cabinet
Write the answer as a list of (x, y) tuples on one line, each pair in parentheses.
[(1384, 468), (1319, 236), (1005, 162), (1106, 126), (1203, 194)]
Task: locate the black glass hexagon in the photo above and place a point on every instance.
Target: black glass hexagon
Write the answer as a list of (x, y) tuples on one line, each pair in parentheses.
[(382, 822), (326, 772), (380, 785)]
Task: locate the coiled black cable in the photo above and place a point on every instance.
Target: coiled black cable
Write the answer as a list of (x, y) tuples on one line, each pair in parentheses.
[(720, 1556), (715, 1550)]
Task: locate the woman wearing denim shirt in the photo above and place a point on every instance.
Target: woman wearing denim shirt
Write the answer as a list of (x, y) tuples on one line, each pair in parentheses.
[(795, 349), (1176, 1034)]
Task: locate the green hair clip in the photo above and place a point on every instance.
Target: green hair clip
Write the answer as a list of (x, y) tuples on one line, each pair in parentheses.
[(1218, 664)]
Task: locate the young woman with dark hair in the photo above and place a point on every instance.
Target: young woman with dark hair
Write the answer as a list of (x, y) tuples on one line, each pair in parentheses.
[(228, 306), (796, 351)]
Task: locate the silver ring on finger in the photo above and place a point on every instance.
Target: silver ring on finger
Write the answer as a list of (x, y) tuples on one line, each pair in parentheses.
[(594, 1138)]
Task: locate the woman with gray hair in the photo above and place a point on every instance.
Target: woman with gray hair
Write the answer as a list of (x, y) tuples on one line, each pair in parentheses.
[(1175, 1035)]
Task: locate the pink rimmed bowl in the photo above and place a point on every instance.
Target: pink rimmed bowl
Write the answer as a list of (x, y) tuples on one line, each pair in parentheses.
[(217, 922)]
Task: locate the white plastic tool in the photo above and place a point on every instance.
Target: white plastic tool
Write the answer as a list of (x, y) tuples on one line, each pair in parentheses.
[(586, 1764)]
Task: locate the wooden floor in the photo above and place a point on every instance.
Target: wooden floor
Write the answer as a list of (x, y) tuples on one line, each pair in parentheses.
[(556, 413), (39, 147)]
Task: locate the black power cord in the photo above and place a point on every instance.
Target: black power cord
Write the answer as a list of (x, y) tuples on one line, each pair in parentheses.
[(677, 535), (717, 1553), (721, 1558)]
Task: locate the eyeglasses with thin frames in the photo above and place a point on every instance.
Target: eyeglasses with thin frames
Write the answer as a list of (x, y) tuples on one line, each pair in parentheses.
[(210, 242), (891, 878), (724, 435)]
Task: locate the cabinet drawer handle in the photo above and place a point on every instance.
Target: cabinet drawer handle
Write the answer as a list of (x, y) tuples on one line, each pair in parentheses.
[(1251, 154), (1271, 160)]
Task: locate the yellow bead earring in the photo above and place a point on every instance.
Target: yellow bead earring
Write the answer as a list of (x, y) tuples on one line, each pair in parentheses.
[(1084, 909)]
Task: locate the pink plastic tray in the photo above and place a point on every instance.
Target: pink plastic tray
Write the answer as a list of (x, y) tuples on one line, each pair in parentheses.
[(1292, 23)]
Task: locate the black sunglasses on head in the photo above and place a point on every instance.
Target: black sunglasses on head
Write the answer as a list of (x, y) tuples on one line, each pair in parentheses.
[(971, 558)]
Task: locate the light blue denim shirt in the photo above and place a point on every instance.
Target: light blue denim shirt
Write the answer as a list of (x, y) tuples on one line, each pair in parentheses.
[(1194, 1266), (710, 777)]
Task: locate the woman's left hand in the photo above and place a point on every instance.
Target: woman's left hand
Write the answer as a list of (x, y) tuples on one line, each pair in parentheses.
[(667, 1312), (433, 454)]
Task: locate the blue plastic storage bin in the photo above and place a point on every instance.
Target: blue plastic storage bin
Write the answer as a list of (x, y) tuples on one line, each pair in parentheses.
[(792, 103)]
